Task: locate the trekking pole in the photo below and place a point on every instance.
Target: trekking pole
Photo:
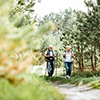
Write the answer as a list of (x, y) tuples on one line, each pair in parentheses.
[(46, 68), (45, 71), (56, 64), (63, 68)]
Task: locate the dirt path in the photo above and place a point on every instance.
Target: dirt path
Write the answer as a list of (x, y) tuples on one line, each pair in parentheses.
[(73, 92)]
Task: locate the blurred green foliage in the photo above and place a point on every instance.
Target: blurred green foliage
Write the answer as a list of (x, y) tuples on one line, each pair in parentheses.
[(19, 46), (32, 88)]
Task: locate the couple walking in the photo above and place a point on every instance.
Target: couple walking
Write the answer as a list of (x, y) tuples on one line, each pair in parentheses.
[(50, 56)]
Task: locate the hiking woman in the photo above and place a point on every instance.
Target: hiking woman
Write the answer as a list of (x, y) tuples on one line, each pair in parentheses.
[(68, 55)]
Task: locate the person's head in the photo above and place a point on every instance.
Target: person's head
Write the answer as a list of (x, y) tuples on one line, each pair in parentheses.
[(68, 48), (50, 47)]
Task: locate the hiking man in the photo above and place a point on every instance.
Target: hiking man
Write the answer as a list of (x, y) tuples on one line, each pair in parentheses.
[(68, 55), (50, 57)]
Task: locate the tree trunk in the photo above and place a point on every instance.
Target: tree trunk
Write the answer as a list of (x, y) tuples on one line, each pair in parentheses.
[(82, 63), (99, 45), (92, 58), (95, 58), (79, 58), (99, 51), (99, 40)]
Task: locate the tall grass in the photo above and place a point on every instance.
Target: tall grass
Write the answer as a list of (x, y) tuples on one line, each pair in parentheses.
[(33, 88), (92, 78)]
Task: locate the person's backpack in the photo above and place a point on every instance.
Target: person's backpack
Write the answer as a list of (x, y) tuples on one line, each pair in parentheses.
[(46, 58)]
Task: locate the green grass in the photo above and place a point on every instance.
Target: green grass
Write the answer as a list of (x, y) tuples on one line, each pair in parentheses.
[(73, 80), (34, 88), (85, 74), (85, 77), (95, 84)]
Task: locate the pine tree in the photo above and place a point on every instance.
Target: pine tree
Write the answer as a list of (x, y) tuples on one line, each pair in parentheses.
[(22, 13), (93, 25)]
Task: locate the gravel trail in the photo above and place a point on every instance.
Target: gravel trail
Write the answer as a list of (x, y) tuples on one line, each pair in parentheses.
[(73, 92)]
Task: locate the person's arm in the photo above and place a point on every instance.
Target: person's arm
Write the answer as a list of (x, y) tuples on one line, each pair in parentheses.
[(55, 55), (45, 54), (64, 55), (72, 55)]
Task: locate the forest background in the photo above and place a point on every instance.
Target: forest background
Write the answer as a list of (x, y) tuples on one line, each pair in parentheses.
[(24, 38)]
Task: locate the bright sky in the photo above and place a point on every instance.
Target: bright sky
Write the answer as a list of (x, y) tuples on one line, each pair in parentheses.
[(48, 6)]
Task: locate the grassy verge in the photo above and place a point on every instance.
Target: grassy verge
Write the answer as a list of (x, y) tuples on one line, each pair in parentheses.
[(73, 80), (93, 79), (95, 84), (32, 88)]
